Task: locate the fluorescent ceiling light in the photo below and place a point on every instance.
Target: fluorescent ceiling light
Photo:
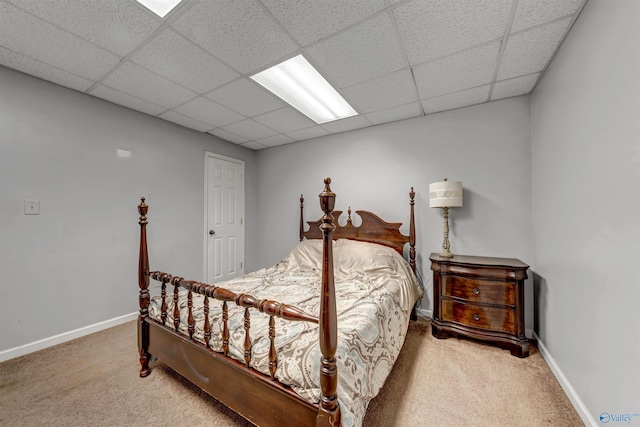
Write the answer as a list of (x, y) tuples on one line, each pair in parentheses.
[(159, 7), (302, 86)]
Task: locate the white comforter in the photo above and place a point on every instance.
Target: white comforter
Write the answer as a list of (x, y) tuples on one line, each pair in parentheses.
[(375, 292)]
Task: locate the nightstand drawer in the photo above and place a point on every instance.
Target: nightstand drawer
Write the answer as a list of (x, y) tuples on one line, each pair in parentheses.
[(478, 290), (478, 316)]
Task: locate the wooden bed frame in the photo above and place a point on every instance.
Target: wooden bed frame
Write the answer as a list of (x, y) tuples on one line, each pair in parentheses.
[(259, 398)]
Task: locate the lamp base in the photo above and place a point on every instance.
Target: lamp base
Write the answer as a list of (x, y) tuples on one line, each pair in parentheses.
[(445, 254)]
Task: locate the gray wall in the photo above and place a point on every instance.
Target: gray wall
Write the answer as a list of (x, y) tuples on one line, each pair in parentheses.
[(487, 147), (75, 264), (586, 207)]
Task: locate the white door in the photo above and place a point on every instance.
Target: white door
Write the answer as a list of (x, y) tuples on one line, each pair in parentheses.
[(224, 218)]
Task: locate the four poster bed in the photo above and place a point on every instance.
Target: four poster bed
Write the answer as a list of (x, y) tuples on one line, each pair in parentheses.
[(315, 357)]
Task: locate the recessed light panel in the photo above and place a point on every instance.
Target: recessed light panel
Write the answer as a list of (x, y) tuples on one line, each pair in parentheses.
[(159, 7), (303, 87)]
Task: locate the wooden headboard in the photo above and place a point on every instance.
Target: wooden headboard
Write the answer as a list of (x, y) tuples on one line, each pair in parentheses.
[(373, 229)]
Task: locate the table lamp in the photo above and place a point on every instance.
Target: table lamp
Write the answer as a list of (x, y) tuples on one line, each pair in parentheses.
[(445, 195)]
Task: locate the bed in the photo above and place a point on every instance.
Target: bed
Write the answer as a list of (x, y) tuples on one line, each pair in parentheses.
[(308, 341)]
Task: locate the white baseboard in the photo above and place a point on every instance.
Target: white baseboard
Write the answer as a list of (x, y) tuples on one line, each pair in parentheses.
[(577, 403), (424, 313), (64, 337)]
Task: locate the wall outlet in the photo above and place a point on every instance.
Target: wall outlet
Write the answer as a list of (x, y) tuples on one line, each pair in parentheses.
[(32, 207)]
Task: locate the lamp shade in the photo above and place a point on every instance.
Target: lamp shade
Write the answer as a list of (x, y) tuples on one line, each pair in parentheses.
[(445, 194)]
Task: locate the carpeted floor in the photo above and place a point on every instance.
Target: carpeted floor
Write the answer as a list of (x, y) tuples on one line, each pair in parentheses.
[(93, 381)]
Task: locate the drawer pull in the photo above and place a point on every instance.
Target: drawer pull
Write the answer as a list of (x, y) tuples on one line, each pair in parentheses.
[(476, 291), (476, 317)]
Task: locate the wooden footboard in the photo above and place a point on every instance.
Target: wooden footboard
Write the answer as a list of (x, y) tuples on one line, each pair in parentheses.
[(259, 398), (271, 308), (255, 396)]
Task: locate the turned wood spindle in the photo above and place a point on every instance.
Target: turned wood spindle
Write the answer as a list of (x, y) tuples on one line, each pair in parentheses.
[(247, 337), (301, 216), (273, 358), (207, 325), (191, 326), (163, 294), (144, 299), (412, 232), (176, 309), (225, 328), (329, 410)]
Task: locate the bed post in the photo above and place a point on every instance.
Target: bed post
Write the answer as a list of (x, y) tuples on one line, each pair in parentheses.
[(329, 409), (301, 217), (412, 246), (412, 232), (143, 283)]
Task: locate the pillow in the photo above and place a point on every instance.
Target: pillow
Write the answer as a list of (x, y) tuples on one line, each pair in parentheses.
[(364, 256), (349, 255), (305, 255)]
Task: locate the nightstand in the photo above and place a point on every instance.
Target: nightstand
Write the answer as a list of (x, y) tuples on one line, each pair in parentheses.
[(481, 298)]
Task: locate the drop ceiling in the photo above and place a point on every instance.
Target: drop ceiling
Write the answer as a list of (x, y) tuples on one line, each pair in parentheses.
[(390, 59)]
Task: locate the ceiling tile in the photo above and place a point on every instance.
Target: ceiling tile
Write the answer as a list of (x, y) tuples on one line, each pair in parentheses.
[(46, 72), (228, 136), (383, 92), (207, 111), (394, 114), (254, 145), (463, 70), (432, 29), (514, 87), (309, 21), (116, 25), (175, 58), (238, 32), (39, 40), (530, 51), (285, 120), (314, 132), (535, 12), (273, 141), (350, 123), (185, 121), (126, 100), (141, 83), (460, 99), (364, 52), (246, 97), (250, 129)]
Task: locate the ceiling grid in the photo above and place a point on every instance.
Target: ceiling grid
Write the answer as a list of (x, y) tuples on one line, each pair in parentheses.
[(390, 59)]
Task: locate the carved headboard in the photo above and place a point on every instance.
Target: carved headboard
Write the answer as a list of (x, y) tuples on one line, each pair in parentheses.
[(372, 229)]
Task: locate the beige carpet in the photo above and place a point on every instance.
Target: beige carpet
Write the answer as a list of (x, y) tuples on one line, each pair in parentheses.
[(93, 381)]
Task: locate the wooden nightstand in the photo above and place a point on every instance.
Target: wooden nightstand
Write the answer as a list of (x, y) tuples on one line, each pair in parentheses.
[(481, 298)]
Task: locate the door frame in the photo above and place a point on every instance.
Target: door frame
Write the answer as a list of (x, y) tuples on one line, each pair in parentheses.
[(205, 261)]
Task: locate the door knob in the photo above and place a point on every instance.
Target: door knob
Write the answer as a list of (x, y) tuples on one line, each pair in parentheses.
[(212, 232)]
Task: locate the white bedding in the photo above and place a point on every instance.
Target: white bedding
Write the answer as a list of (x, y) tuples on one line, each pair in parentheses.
[(375, 292)]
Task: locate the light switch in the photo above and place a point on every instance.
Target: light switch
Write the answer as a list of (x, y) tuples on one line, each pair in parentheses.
[(32, 207)]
